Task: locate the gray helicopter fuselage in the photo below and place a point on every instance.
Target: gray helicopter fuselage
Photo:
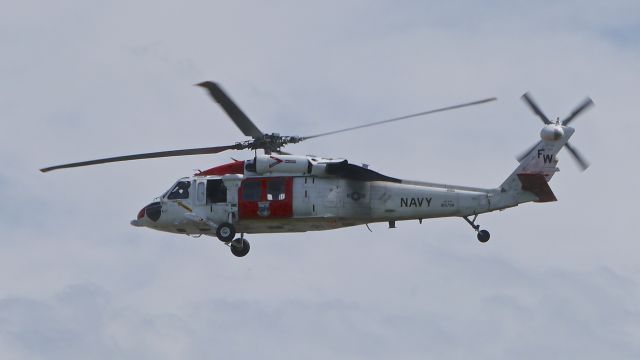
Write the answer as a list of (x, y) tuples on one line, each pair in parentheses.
[(295, 194)]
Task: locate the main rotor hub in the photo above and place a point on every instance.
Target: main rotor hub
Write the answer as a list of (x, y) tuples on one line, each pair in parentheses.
[(269, 142)]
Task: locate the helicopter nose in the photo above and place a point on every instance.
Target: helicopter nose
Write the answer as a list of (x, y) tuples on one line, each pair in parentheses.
[(151, 212)]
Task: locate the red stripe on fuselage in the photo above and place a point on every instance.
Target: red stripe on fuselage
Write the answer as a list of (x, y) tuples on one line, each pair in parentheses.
[(236, 167), (266, 208)]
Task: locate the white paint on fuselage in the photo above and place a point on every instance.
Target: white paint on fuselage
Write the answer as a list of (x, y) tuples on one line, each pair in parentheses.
[(323, 203)]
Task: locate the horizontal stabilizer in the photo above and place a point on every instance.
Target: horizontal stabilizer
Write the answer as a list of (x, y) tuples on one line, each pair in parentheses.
[(537, 184)]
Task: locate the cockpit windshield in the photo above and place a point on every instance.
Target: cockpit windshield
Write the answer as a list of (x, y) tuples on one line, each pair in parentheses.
[(179, 191)]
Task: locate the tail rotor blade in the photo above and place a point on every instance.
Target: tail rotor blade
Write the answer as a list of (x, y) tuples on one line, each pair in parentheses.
[(582, 162), (239, 118), (534, 107), (582, 107)]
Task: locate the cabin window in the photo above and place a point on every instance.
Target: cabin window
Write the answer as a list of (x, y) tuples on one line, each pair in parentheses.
[(216, 192), (275, 189), (200, 193), (251, 191), (180, 191)]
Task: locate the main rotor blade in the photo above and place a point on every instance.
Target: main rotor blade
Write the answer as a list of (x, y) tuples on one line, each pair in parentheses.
[(582, 107), (239, 118), (534, 107), (582, 162), (400, 118), (160, 154)]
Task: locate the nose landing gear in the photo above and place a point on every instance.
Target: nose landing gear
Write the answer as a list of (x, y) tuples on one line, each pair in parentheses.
[(483, 235)]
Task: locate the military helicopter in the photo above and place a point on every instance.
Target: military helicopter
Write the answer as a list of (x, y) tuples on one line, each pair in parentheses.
[(277, 192)]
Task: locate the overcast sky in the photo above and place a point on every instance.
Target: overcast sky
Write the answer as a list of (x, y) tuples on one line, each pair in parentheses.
[(83, 80)]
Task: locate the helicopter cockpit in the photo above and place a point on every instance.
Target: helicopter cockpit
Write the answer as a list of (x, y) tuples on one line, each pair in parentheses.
[(180, 190), (216, 191)]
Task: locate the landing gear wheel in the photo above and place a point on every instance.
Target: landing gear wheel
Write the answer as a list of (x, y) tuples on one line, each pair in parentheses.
[(483, 236), (240, 247), (225, 232)]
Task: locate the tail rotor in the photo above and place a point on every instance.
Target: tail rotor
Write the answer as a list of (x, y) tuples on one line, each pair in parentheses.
[(584, 105)]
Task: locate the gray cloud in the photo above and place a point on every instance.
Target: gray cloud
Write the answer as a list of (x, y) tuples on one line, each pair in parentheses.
[(486, 307)]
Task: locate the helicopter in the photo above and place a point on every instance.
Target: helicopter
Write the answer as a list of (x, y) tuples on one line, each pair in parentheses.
[(278, 192)]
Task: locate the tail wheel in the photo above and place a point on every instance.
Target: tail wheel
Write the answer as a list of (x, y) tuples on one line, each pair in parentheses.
[(225, 232), (483, 236), (240, 247)]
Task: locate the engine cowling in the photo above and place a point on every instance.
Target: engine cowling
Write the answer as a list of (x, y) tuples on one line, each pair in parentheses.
[(286, 164)]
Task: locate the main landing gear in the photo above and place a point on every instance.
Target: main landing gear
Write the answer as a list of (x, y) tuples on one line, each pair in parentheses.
[(226, 232), (483, 235), (240, 247)]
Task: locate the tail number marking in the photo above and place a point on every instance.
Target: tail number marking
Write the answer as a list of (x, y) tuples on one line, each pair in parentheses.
[(415, 202), (547, 158)]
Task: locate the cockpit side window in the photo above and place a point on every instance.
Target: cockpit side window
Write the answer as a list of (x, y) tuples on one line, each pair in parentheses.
[(216, 192), (180, 191)]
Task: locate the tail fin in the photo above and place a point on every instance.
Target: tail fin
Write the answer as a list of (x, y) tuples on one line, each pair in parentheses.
[(529, 181)]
